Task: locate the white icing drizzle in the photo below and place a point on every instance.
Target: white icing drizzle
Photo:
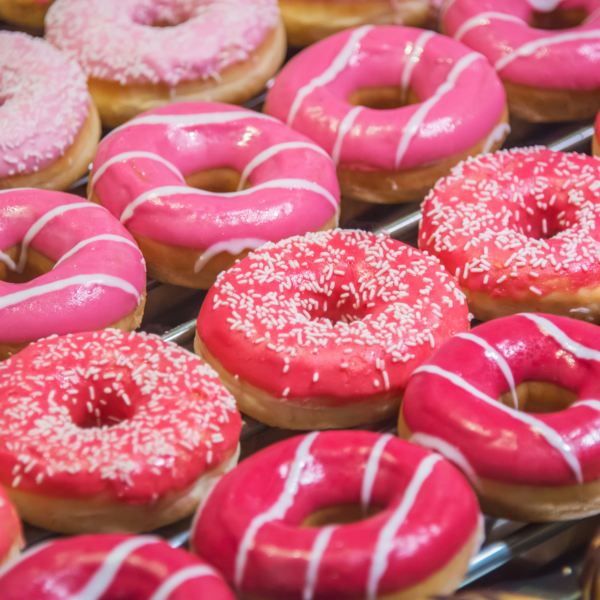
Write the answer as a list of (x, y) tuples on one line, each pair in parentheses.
[(8, 261), (592, 17), (344, 127), (179, 578), (277, 510), (412, 60), (484, 18), (562, 338), (492, 353), (531, 47), (549, 434), (42, 221), (389, 531), (371, 471), (496, 136), (128, 155), (419, 115), (595, 404), (334, 69), (173, 190), (316, 554), (48, 288), (544, 5), (234, 247), (272, 151), (104, 576), (109, 237)]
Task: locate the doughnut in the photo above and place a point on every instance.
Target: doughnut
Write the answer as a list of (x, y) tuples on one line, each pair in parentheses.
[(111, 432), (524, 419), (49, 127), (309, 21), (520, 231), (395, 107), (11, 534), (322, 331), (26, 13), (143, 54), (110, 566), (596, 138), (145, 173), (340, 514), (66, 265), (548, 75)]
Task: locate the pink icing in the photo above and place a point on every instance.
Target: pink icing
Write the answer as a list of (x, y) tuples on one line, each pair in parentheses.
[(343, 315), (250, 527), (98, 567), (114, 39), (139, 168), (499, 29), (462, 98), (10, 527), (112, 413), (517, 224), (43, 103), (497, 442), (99, 277)]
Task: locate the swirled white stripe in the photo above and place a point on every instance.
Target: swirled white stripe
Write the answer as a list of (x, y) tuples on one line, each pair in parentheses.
[(234, 246), (550, 435), (419, 115), (591, 18), (544, 5), (109, 237), (277, 510), (385, 540), (595, 404), (343, 129), (55, 286), (484, 18), (412, 60), (371, 471), (179, 578), (496, 136), (128, 155), (8, 261), (272, 151), (316, 554), (335, 68)]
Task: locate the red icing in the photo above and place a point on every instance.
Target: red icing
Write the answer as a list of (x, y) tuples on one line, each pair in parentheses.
[(330, 470), (176, 419), (65, 568), (10, 527)]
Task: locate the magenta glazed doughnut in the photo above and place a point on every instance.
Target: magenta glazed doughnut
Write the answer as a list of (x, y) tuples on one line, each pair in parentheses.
[(11, 534)]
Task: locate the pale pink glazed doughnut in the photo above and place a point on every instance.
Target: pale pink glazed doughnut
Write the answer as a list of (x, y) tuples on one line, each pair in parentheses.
[(267, 182), (452, 105), (548, 75), (323, 331), (111, 431), (11, 534), (263, 524), (94, 567), (142, 54), (520, 230), (66, 265), (26, 13), (497, 378), (49, 128)]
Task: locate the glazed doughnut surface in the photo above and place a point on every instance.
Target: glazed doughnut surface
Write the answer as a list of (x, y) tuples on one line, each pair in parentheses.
[(11, 535)]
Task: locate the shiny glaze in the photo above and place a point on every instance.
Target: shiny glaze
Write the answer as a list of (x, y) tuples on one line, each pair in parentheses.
[(140, 167), (99, 275), (490, 440), (517, 224), (10, 528), (499, 29), (44, 103), (343, 315), (107, 567), (462, 98), (122, 414), (251, 529)]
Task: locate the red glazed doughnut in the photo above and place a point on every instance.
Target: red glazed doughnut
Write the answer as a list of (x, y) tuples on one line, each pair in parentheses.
[(11, 539), (524, 466), (91, 567), (322, 331), (109, 432), (262, 525), (520, 229)]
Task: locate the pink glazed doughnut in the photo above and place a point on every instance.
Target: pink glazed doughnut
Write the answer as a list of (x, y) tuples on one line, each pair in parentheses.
[(110, 431), (110, 566), (266, 525), (520, 230), (49, 128), (267, 182), (11, 534), (25, 13), (524, 418), (451, 101), (548, 75), (322, 331), (142, 54), (66, 265)]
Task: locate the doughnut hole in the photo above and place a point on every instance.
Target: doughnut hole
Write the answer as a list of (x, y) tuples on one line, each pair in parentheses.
[(162, 14), (540, 397), (222, 180), (343, 514), (106, 409), (558, 19), (385, 97), (36, 265)]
